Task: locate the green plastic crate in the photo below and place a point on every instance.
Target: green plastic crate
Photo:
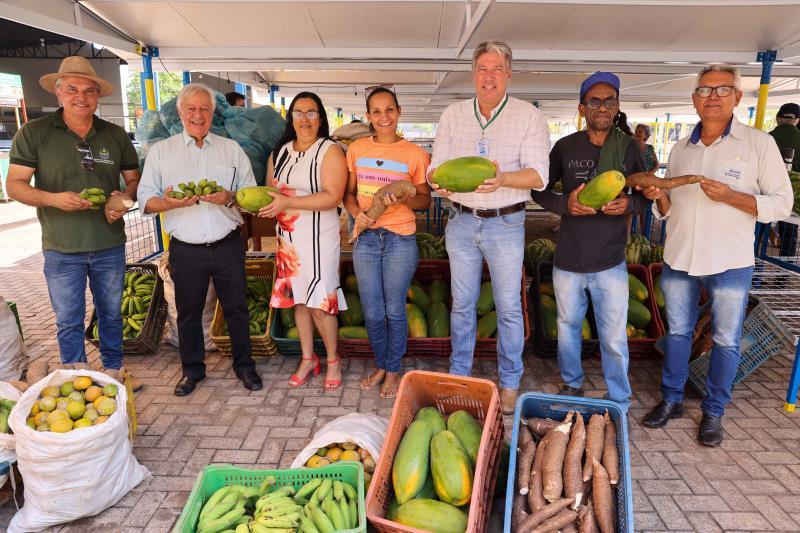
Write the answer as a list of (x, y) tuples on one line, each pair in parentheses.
[(13, 307), (214, 477)]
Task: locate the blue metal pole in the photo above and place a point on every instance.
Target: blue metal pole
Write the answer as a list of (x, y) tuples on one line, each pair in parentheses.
[(187, 77), (767, 58)]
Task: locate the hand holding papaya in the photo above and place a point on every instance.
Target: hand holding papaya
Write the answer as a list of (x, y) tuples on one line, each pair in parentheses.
[(493, 183), (574, 207), (616, 206)]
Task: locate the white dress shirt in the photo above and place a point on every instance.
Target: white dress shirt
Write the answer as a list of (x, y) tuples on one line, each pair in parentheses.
[(517, 137), (179, 160), (707, 237)]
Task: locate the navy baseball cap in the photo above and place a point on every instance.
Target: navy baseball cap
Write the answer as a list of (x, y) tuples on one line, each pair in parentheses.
[(599, 77), (789, 111)]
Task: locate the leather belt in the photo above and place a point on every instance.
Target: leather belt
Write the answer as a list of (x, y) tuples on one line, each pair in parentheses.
[(489, 213), (226, 238)]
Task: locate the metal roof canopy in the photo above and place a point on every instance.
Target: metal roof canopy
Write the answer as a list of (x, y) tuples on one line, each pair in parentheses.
[(424, 47)]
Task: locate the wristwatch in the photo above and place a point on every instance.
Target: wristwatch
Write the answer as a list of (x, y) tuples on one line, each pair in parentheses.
[(231, 202)]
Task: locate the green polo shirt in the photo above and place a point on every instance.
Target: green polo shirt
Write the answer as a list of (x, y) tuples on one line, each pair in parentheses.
[(49, 147), (788, 136)]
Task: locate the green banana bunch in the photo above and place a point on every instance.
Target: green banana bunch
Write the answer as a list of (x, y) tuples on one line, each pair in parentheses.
[(137, 294), (95, 195), (202, 188), (227, 509), (258, 294), (5, 410), (328, 506)]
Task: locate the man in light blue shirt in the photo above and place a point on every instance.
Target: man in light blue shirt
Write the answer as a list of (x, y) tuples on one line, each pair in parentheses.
[(205, 242)]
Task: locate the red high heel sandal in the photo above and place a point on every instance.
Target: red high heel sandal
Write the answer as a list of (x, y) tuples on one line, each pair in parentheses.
[(297, 381)]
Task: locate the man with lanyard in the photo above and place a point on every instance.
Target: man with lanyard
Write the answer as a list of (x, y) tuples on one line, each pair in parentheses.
[(787, 136), (709, 244), (205, 240), (71, 150), (590, 254), (490, 222)]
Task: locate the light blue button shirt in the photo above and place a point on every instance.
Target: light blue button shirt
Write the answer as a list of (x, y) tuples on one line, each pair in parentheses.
[(179, 160)]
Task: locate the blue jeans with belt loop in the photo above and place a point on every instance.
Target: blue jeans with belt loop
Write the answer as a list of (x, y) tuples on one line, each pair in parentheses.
[(728, 291), (66, 276), (384, 263), (500, 241)]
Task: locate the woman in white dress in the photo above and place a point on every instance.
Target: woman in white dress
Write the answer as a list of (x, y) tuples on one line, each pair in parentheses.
[(310, 172)]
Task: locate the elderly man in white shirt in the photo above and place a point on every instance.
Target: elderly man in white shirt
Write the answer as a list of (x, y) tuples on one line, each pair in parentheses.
[(490, 222), (710, 232)]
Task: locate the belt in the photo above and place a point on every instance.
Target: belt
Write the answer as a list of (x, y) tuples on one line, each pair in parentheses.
[(489, 213), (226, 238)]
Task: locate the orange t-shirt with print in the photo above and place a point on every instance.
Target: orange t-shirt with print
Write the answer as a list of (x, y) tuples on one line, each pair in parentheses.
[(376, 165)]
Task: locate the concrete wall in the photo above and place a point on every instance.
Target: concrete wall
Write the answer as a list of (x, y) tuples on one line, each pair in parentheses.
[(38, 100)]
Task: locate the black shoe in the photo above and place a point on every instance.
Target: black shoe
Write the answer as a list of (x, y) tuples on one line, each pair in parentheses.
[(710, 432), (566, 390), (250, 379), (186, 385), (661, 413)]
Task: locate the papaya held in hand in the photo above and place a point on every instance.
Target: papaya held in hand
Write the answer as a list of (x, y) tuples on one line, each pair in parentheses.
[(402, 190), (606, 186), (463, 174), (252, 199)]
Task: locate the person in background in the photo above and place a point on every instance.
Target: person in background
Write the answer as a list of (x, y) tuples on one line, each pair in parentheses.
[(70, 150), (235, 99), (787, 136), (709, 245), (385, 256), (310, 171), (205, 242), (621, 122), (489, 224), (641, 134)]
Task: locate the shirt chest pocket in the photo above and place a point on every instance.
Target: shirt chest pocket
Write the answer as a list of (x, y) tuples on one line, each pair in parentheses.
[(737, 172), (223, 175)]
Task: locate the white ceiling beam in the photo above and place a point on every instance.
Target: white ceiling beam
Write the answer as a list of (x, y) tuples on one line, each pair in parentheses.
[(673, 3), (35, 14), (473, 21)]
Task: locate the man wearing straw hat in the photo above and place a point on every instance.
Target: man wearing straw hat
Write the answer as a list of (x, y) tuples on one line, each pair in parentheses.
[(71, 150)]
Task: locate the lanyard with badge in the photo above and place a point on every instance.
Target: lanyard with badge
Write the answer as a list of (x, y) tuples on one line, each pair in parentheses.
[(482, 147)]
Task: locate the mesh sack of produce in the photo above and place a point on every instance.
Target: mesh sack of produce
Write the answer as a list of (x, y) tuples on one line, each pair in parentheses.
[(172, 120), (256, 130), (8, 441), (13, 352), (72, 475), (367, 431)]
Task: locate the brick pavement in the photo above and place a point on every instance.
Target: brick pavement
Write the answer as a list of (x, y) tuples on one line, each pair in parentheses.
[(750, 483)]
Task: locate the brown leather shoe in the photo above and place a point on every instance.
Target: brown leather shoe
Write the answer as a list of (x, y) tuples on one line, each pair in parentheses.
[(508, 400)]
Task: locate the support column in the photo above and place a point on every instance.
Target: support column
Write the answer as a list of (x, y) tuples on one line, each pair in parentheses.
[(766, 58), (149, 104), (187, 77), (283, 106), (580, 122), (665, 139), (750, 112), (241, 88), (272, 90)]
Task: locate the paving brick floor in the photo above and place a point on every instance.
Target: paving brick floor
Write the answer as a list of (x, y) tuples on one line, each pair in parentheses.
[(750, 483)]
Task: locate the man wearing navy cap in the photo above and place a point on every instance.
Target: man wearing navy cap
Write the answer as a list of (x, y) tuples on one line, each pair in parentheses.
[(786, 133), (590, 254)]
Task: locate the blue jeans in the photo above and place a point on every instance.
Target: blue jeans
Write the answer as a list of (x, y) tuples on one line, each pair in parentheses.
[(728, 293), (609, 292), (500, 241), (66, 282), (384, 263)]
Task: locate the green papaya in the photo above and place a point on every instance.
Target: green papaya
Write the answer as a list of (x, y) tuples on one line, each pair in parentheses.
[(438, 321), (418, 296), (487, 325), (439, 291), (463, 174), (602, 189), (417, 325), (660, 302), (549, 316), (254, 198), (351, 283), (412, 460), (485, 299), (353, 332), (640, 334), (629, 330), (638, 314), (468, 432), (354, 314), (287, 317), (546, 287), (431, 515), (636, 289), (428, 491), (433, 417)]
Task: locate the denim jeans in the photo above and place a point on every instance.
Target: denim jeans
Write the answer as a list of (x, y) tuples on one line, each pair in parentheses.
[(500, 241), (609, 292), (728, 293), (66, 282), (384, 263)]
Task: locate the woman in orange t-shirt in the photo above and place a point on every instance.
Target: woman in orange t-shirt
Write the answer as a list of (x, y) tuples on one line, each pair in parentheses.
[(385, 256)]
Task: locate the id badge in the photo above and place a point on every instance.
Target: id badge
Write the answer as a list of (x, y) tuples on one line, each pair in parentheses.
[(482, 148)]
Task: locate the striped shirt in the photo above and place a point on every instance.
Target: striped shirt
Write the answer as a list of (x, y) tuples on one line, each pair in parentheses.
[(517, 137)]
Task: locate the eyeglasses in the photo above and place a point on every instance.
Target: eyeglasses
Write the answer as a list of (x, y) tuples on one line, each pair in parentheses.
[(87, 159), (609, 103), (498, 71), (372, 88), (722, 91), (310, 115)]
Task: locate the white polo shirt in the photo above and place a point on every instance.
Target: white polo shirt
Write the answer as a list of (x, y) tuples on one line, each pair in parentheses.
[(706, 237)]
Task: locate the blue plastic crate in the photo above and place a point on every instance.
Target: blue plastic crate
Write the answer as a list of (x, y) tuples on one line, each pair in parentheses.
[(763, 335), (534, 404)]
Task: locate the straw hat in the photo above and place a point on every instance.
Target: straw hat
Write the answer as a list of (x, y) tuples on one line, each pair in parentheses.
[(78, 67)]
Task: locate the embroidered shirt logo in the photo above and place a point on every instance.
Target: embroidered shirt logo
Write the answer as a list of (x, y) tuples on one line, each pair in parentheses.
[(104, 156)]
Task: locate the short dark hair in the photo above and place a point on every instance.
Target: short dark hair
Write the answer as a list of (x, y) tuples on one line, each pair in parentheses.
[(289, 134), (382, 90), (232, 97)]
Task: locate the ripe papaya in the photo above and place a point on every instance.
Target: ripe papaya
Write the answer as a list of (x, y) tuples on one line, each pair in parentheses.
[(660, 302), (433, 417), (439, 291), (431, 515), (637, 289), (485, 298), (353, 332), (638, 314), (417, 325), (451, 469), (411, 462), (428, 491), (354, 314), (546, 287), (418, 296), (254, 198), (602, 189), (640, 334), (463, 174), (487, 325), (549, 316), (586, 330), (629, 330), (438, 321), (468, 431)]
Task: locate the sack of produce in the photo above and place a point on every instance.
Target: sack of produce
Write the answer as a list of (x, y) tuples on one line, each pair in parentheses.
[(171, 335), (359, 430), (86, 468), (13, 352)]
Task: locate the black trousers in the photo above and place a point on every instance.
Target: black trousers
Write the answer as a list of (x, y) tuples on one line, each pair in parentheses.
[(191, 267)]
